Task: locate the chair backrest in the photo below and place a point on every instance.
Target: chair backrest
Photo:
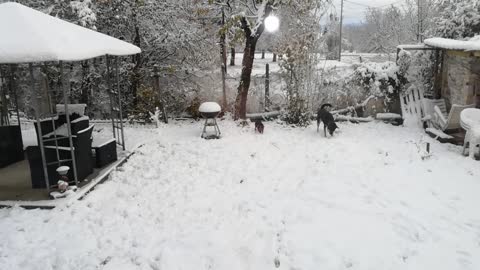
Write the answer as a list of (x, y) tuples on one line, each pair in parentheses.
[(429, 104), (453, 120)]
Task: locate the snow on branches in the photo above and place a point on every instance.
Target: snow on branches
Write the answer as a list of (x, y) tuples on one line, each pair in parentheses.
[(458, 19), (86, 16)]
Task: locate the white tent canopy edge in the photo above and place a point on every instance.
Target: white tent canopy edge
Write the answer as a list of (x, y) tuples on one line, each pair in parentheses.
[(29, 36)]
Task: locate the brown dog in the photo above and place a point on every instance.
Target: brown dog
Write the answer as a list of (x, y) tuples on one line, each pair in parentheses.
[(259, 126)]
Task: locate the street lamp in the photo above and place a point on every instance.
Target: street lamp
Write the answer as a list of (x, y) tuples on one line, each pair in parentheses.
[(272, 23)]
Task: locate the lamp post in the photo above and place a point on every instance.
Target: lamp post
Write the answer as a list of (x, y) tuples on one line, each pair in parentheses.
[(272, 23)]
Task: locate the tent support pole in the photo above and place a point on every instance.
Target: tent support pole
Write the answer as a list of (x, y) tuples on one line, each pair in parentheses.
[(69, 127), (117, 73), (110, 94), (39, 128), (13, 90)]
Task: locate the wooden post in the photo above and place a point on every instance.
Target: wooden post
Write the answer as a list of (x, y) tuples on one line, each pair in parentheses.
[(263, 54), (274, 57), (398, 55), (267, 87), (232, 56)]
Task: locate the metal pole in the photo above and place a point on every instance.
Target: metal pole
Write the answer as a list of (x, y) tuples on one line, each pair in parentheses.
[(421, 20), (39, 128), (418, 20), (267, 87), (69, 127), (341, 26), (110, 94), (224, 63), (14, 92), (119, 101)]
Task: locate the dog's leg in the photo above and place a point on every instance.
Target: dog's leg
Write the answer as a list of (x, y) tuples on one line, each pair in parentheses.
[(318, 125), (325, 129)]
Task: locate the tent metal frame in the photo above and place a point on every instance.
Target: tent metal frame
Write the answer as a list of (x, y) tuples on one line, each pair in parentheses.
[(116, 110)]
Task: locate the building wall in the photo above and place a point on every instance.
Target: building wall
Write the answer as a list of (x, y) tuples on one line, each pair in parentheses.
[(461, 78)]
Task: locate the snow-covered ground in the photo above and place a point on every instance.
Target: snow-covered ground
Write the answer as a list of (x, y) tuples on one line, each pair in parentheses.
[(364, 199)]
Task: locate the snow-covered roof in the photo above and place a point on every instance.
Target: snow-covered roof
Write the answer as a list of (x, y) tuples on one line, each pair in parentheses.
[(471, 44), (412, 46), (28, 35)]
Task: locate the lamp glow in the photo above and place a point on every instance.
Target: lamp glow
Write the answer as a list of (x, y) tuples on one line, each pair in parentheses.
[(272, 23)]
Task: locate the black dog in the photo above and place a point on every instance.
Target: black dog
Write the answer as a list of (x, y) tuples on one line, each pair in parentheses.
[(259, 126), (327, 118)]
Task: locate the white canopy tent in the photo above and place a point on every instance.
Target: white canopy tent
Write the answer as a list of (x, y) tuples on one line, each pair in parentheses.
[(28, 35)]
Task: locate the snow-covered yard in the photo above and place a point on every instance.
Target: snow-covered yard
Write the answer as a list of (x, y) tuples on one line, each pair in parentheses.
[(290, 198)]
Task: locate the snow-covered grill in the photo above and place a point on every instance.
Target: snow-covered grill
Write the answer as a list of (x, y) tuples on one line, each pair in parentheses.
[(210, 111)]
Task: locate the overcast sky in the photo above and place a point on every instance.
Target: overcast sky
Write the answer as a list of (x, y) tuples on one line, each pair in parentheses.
[(353, 11)]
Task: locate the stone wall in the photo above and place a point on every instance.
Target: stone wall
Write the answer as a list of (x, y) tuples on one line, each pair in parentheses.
[(460, 78)]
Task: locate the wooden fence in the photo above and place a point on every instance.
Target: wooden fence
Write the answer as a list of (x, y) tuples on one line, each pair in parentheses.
[(412, 104)]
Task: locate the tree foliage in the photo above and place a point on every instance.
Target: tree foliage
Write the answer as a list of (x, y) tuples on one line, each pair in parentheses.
[(458, 19)]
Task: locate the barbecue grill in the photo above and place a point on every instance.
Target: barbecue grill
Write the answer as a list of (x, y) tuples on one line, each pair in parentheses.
[(209, 111)]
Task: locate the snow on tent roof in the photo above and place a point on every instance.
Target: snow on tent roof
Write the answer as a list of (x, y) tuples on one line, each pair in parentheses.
[(28, 35), (472, 44)]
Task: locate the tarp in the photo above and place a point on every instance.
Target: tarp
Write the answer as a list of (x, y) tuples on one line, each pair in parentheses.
[(28, 35)]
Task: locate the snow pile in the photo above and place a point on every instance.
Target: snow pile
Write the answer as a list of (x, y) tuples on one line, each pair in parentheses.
[(469, 44), (361, 200), (209, 107), (388, 116)]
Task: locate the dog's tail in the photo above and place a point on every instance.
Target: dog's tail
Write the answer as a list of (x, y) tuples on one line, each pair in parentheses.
[(325, 105)]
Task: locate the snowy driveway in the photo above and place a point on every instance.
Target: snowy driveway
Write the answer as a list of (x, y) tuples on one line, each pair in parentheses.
[(289, 198)]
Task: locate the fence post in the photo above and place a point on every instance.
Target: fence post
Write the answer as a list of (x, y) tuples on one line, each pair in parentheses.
[(274, 57), (267, 87)]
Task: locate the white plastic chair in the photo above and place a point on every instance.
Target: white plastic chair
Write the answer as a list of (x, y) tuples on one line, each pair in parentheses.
[(429, 111), (452, 120)]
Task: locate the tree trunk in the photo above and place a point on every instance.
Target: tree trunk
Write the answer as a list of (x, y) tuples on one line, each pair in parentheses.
[(232, 56), (247, 64)]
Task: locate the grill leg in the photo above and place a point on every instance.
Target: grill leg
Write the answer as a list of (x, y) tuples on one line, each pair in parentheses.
[(205, 128), (217, 128)]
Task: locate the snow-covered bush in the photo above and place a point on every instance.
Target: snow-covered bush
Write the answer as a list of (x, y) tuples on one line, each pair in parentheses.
[(297, 112), (86, 16), (458, 19), (147, 102), (378, 79), (418, 68)]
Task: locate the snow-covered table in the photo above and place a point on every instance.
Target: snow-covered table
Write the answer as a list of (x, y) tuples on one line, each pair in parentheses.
[(470, 121)]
